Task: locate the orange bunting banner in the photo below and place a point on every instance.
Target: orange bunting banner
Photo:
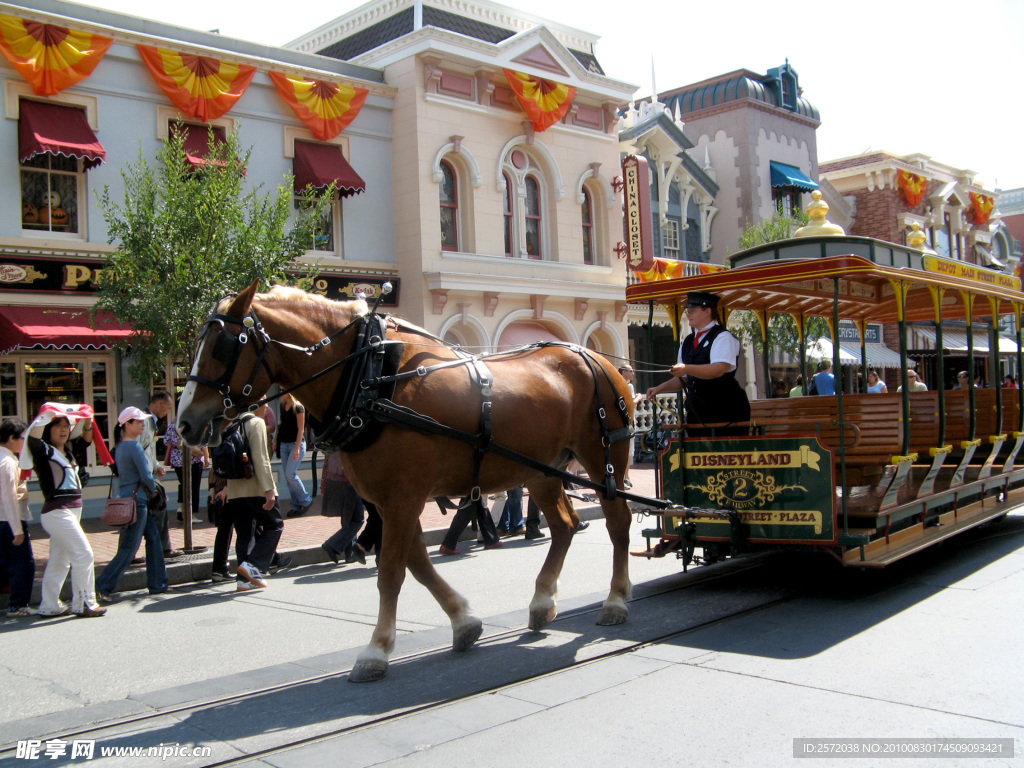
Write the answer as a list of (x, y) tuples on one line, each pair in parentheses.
[(982, 206), (49, 57), (326, 108), (201, 87), (544, 101), (914, 187), (663, 269)]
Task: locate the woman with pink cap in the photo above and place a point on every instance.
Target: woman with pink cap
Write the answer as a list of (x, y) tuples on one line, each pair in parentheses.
[(135, 478)]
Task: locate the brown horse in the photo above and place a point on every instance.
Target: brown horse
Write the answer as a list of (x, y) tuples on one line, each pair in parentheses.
[(544, 405)]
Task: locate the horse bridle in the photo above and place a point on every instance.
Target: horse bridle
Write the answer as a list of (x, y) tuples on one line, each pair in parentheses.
[(227, 350)]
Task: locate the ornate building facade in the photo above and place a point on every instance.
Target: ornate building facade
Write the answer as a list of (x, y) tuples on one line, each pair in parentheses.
[(507, 216)]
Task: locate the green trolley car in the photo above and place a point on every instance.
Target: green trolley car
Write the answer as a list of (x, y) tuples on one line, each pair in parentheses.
[(867, 478)]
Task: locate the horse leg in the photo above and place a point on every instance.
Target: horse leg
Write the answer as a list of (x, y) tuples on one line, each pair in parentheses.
[(550, 497), (466, 628), (397, 541), (618, 518)]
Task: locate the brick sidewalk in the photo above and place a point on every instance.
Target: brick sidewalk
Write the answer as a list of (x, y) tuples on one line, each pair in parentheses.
[(302, 536)]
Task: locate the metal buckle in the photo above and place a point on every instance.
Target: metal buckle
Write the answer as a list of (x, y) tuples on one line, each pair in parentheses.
[(356, 422)]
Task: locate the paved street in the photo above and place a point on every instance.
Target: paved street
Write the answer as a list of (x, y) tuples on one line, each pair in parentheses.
[(927, 649)]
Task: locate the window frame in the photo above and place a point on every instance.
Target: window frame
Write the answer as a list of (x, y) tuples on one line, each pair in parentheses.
[(786, 200), (508, 217), (667, 249), (337, 221), (81, 195), (447, 169), (589, 234), (537, 217)]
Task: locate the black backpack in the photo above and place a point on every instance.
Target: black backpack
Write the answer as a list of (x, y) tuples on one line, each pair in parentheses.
[(230, 459)]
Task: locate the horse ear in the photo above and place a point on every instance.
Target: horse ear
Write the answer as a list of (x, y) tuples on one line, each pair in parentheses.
[(240, 305)]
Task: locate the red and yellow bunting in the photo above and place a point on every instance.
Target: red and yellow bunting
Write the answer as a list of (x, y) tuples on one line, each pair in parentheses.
[(201, 87), (49, 57), (981, 206), (326, 108), (544, 101), (914, 187), (663, 269)]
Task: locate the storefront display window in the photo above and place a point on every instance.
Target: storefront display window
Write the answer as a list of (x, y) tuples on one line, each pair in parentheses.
[(30, 379), (9, 390), (49, 193)]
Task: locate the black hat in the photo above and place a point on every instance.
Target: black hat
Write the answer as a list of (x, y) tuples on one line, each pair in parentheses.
[(701, 299)]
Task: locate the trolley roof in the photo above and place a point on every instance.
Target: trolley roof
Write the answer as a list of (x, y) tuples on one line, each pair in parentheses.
[(867, 289)]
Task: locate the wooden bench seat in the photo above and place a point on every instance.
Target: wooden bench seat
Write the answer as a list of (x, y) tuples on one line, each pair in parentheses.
[(958, 415), (876, 416)]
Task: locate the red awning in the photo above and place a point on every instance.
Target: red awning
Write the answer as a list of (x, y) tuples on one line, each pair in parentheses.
[(197, 141), (48, 328), (321, 164), (58, 130)]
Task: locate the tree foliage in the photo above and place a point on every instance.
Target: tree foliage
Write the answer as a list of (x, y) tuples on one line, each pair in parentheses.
[(186, 237), (782, 328)]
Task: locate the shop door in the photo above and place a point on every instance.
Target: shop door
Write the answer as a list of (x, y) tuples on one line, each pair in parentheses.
[(75, 381)]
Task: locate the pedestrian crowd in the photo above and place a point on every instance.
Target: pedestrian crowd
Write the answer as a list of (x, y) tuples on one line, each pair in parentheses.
[(242, 503)]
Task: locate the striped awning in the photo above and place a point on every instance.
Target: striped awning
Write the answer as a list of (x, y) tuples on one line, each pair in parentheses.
[(956, 341)]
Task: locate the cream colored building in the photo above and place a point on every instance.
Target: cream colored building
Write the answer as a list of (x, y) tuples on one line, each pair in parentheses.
[(531, 218)]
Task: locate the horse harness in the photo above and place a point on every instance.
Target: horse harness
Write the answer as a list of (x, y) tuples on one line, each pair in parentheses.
[(363, 404)]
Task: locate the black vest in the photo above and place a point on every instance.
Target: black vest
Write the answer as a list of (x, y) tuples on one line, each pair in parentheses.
[(711, 401)]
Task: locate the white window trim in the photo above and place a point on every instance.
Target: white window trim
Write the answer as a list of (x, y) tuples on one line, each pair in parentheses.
[(14, 91)]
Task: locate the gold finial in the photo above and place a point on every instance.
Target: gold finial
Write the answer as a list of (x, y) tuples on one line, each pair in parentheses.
[(916, 238), (819, 225)]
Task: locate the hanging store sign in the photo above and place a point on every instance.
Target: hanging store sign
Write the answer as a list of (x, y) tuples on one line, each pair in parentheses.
[(849, 332), (74, 276), (346, 287), (48, 275), (637, 190)]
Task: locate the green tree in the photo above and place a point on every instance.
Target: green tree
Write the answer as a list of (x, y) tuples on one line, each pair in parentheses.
[(188, 236), (782, 333)]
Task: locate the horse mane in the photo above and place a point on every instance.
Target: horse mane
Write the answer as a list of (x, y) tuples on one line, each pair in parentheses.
[(288, 294)]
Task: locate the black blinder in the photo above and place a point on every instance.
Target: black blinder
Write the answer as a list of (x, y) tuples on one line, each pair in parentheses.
[(226, 349)]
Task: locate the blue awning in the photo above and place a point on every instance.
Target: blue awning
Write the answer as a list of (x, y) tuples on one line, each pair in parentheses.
[(790, 176)]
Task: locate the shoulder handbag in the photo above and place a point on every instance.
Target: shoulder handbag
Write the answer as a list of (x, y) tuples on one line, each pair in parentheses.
[(120, 512)]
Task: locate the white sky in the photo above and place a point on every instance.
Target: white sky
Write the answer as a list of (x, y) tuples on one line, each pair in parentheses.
[(906, 76)]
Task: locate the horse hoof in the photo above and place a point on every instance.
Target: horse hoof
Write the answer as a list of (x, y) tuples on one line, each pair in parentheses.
[(368, 671), (466, 635), (541, 617), (612, 615)]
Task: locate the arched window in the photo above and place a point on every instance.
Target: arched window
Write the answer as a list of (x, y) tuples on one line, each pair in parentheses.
[(508, 215), (587, 217), (449, 193), (533, 218), (527, 219)]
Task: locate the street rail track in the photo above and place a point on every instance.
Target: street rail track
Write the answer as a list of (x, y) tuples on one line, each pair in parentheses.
[(106, 730)]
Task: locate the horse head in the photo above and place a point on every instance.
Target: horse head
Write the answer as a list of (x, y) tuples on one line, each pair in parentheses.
[(251, 342)]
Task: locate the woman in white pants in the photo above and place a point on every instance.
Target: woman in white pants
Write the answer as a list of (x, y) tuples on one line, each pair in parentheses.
[(61, 517)]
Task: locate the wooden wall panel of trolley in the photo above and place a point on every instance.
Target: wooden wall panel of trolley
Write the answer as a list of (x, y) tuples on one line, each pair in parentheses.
[(867, 478)]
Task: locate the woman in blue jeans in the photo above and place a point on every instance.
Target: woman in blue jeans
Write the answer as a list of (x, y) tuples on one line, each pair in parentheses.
[(135, 477), (291, 442)]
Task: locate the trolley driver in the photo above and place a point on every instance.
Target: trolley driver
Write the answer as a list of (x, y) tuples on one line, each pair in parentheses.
[(707, 371)]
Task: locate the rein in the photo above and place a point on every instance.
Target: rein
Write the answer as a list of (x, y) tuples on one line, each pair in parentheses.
[(361, 402)]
